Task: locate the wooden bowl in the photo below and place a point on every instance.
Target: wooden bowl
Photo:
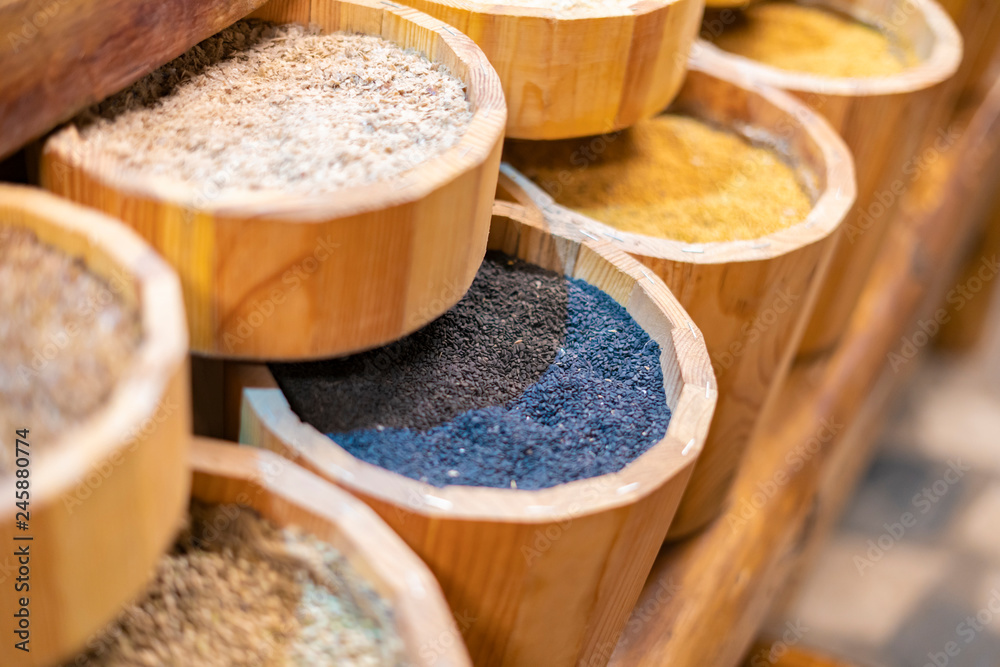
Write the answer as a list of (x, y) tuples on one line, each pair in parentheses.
[(549, 576), (581, 74), (749, 298), (882, 121), (270, 276), (106, 500), (286, 494)]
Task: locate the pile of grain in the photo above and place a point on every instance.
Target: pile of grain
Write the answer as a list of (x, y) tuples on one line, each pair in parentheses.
[(237, 590), (532, 380), (66, 337), (812, 39), (265, 107), (671, 176)]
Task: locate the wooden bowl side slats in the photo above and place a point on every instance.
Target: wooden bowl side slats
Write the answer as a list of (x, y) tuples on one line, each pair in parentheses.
[(589, 74), (107, 496), (882, 120), (353, 269), (550, 575), (751, 298), (287, 495)]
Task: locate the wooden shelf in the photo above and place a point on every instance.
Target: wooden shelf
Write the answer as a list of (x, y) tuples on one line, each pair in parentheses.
[(707, 597), (60, 57)]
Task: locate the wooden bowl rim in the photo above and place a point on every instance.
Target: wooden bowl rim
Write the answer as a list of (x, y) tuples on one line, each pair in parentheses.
[(487, 126), (417, 601), (135, 400), (498, 10), (828, 211), (941, 64), (676, 451)]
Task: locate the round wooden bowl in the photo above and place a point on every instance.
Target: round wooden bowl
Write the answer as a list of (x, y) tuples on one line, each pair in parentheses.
[(750, 298), (285, 494), (575, 75), (106, 498), (270, 276), (882, 120), (550, 576)]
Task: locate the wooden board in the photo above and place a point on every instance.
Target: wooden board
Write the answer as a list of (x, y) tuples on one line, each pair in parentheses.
[(105, 499), (351, 269), (750, 298), (287, 495), (707, 597), (778, 653), (591, 72), (59, 57), (882, 120), (550, 575)]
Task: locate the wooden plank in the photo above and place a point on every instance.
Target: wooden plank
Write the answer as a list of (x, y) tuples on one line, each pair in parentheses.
[(780, 654), (60, 56), (707, 597)]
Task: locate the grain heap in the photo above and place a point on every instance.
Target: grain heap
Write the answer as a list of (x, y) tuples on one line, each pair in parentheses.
[(282, 107), (671, 176), (812, 39), (66, 337), (532, 380), (237, 590)]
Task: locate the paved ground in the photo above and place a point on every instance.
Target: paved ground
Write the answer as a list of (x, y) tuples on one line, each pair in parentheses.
[(912, 577)]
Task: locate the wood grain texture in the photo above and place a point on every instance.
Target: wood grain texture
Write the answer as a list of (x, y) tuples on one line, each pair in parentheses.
[(549, 576), (106, 497), (722, 582), (779, 654), (287, 495), (574, 77), (750, 298), (352, 269), (964, 330), (882, 120), (59, 57)]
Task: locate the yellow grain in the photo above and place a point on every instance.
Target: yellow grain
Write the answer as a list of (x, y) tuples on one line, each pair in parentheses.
[(672, 176), (814, 40)]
